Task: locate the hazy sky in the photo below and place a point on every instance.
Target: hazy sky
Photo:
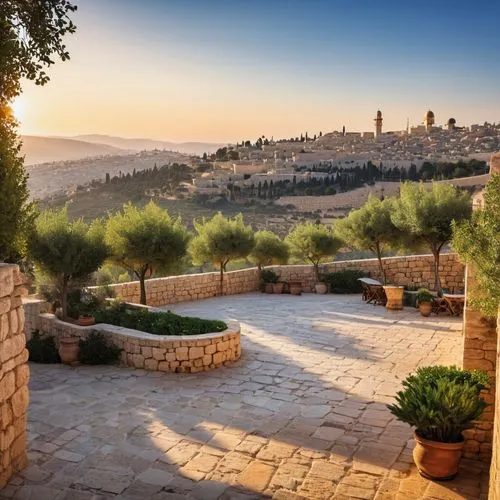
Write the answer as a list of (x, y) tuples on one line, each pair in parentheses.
[(221, 70)]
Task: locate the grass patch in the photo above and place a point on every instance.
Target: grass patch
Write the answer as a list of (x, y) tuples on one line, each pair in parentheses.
[(161, 323)]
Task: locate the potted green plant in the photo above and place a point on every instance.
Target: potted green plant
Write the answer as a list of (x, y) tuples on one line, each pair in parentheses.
[(440, 402), (425, 300), (268, 278), (321, 286)]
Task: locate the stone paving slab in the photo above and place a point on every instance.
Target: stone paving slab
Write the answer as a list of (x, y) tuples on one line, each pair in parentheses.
[(301, 415)]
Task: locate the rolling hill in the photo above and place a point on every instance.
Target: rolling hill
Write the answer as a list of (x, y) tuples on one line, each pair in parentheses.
[(192, 148), (49, 149)]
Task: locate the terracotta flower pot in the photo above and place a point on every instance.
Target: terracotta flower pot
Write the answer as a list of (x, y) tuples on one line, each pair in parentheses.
[(321, 287), (69, 350), (425, 308), (278, 287), (295, 287), (85, 321), (394, 296), (436, 460), (269, 288)]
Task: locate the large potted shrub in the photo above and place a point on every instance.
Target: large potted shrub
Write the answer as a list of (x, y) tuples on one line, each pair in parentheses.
[(440, 402), (425, 300), (268, 278)]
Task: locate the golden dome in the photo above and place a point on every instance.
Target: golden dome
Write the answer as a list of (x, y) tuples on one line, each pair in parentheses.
[(429, 114)]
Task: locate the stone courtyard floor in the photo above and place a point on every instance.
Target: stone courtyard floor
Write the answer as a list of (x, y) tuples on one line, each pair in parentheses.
[(301, 415)]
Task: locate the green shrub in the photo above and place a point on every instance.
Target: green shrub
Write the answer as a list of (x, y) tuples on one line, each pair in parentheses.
[(269, 276), (344, 281), (424, 296), (441, 402), (42, 349), (97, 350), (161, 323)]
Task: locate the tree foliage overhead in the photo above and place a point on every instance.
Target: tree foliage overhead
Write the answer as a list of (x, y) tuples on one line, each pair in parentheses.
[(31, 33), (269, 250), (220, 240), (426, 215), (145, 240), (314, 243), (371, 228), (477, 241), (67, 250), (16, 212)]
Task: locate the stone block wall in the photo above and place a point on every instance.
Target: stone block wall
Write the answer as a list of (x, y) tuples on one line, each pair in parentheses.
[(406, 270), (32, 309), (414, 270), (14, 374), (180, 353)]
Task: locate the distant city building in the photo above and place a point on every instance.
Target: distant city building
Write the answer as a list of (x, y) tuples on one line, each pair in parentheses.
[(378, 123), (429, 120)]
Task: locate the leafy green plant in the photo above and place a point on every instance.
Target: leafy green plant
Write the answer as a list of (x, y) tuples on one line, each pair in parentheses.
[(477, 241), (314, 243), (97, 350), (269, 249), (269, 276), (344, 281), (158, 323), (424, 296), (42, 348), (220, 240), (441, 402)]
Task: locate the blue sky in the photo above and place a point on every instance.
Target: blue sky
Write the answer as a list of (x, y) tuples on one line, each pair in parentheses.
[(223, 70)]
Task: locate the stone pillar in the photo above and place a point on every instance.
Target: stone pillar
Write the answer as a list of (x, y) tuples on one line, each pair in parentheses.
[(14, 374), (480, 352)]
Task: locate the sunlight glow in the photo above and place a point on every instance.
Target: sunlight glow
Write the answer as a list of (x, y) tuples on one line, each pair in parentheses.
[(19, 107)]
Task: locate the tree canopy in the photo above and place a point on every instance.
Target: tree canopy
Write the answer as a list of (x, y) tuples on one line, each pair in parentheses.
[(426, 215), (314, 243), (269, 249), (220, 240), (371, 228), (144, 240), (66, 250), (477, 241)]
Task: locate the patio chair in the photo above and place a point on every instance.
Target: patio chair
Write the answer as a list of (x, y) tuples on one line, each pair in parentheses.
[(373, 291)]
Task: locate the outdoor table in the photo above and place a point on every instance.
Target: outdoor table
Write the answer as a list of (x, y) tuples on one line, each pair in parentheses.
[(454, 303), (373, 291)]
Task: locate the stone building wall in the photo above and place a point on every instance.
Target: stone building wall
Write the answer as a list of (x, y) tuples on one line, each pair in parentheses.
[(494, 493), (180, 353), (14, 374), (406, 270)]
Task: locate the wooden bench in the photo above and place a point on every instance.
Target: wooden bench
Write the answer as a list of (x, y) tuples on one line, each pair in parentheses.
[(373, 291)]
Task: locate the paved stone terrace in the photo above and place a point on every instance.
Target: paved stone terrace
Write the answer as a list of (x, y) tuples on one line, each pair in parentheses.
[(301, 415)]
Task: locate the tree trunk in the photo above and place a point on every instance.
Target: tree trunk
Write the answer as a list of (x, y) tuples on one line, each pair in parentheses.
[(64, 297), (381, 264), (316, 272), (437, 281), (142, 281), (222, 278)]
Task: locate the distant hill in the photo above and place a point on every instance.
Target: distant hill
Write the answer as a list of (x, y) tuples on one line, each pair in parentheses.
[(192, 148), (49, 149)]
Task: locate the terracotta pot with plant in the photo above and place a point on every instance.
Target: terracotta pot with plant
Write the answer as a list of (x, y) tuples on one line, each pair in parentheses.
[(321, 287), (69, 350), (425, 301), (268, 280), (440, 402)]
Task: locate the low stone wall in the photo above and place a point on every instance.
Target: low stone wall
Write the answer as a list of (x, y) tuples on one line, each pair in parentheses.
[(411, 270), (14, 374), (179, 353), (494, 493), (406, 270), (33, 307)]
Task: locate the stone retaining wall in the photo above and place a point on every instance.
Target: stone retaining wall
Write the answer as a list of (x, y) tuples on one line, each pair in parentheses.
[(406, 270), (14, 374), (179, 353), (494, 493), (32, 309)]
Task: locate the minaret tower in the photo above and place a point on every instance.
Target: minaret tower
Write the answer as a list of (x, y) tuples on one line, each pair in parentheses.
[(378, 123)]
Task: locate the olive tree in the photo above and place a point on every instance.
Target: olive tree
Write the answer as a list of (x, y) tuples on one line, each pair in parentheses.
[(269, 249), (477, 241), (426, 216), (66, 250), (146, 240), (371, 228), (220, 240), (314, 243), (31, 33)]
